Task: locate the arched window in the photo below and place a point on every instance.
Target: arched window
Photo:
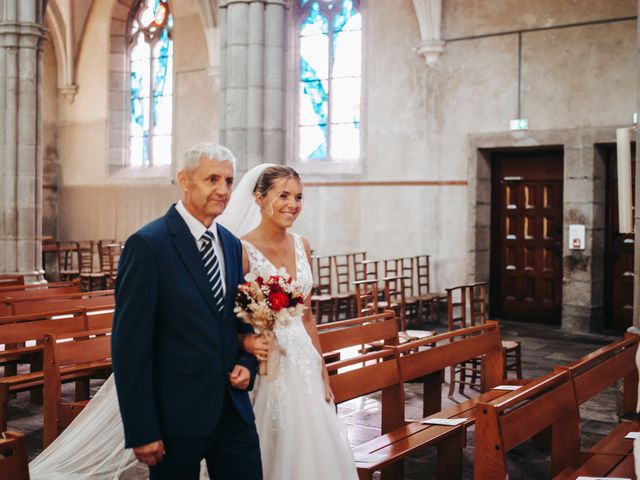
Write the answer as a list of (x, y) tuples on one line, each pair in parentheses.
[(151, 87), (330, 74)]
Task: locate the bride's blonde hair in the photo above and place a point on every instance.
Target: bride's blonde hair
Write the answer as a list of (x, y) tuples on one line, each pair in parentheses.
[(271, 175)]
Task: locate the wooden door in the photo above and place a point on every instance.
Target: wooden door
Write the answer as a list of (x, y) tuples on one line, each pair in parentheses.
[(526, 236), (618, 256)]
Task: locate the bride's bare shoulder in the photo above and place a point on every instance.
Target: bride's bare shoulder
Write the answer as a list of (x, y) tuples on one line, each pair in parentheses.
[(307, 245)]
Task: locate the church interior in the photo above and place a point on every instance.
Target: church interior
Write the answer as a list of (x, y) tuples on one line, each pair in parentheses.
[(469, 188)]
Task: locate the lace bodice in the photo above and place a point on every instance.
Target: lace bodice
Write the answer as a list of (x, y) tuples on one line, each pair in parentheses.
[(299, 361), (303, 279)]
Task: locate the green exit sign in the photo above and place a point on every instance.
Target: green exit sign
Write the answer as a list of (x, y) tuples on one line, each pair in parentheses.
[(519, 124)]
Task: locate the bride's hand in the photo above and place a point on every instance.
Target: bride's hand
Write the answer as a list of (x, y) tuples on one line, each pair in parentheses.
[(328, 393), (256, 345)]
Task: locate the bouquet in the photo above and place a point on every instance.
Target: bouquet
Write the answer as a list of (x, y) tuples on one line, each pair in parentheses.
[(265, 302)]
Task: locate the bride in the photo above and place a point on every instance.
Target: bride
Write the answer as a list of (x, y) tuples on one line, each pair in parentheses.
[(300, 433)]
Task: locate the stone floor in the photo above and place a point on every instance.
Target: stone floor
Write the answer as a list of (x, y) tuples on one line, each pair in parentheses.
[(543, 348)]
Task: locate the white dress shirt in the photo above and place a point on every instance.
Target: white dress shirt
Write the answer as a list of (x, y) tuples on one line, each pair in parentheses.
[(197, 229)]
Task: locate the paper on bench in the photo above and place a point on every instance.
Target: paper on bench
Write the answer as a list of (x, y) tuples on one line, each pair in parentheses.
[(632, 435), (452, 422), (368, 457), (602, 478), (506, 387)]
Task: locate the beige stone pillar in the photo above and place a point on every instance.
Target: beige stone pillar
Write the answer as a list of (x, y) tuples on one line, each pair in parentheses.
[(252, 84), (636, 214), (21, 36)]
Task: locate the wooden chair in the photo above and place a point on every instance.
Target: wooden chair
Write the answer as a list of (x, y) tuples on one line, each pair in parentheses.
[(413, 305), (109, 252), (83, 358), (68, 268), (468, 373), (370, 269), (478, 309), (429, 300), (321, 299), (90, 276), (13, 457), (357, 267), (344, 296), (366, 297)]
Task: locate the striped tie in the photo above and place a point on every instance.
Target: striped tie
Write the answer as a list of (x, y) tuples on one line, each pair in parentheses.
[(212, 267)]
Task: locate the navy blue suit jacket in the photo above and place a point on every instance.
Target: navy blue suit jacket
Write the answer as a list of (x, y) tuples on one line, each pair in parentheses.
[(172, 350)]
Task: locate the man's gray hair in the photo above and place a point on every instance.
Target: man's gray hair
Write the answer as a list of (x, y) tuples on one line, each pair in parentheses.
[(210, 151)]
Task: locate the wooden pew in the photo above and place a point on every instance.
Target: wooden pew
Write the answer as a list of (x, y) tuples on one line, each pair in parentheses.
[(505, 423), (547, 402), (102, 298), (13, 457), (592, 374), (40, 290), (79, 358), (23, 328), (38, 287), (428, 365), (369, 373), (80, 321), (380, 328), (11, 280)]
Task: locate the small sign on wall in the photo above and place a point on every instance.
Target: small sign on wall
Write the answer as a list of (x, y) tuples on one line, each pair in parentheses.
[(577, 237)]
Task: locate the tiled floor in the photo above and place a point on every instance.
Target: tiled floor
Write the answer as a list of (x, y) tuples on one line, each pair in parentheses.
[(543, 348)]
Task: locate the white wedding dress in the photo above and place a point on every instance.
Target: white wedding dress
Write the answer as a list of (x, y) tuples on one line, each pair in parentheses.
[(301, 437)]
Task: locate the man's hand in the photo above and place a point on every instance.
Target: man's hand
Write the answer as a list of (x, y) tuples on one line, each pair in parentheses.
[(240, 377), (151, 453)]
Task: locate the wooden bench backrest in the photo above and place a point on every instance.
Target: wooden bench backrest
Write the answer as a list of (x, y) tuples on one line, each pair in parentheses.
[(605, 366), (36, 287), (31, 317), (358, 331), (43, 291), (13, 457), (369, 373), (452, 348), (58, 355), (100, 319), (89, 354), (507, 422), (9, 280), (34, 327), (103, 298)]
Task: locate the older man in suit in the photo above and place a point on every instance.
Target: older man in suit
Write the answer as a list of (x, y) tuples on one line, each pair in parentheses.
[(181, 378)]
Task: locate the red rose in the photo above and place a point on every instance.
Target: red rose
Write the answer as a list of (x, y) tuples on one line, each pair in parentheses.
[(278, 301)]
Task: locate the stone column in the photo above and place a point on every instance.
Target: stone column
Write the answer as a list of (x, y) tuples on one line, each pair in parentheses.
[(636, 214), (21, 36), (584, 204), (252, 83)]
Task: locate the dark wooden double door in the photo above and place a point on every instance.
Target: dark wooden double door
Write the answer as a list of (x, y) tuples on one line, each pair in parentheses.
[(618, 255), (526, 235)]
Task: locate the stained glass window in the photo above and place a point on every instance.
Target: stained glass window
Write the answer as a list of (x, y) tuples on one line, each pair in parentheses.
[(151, 65), (330, 44)]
